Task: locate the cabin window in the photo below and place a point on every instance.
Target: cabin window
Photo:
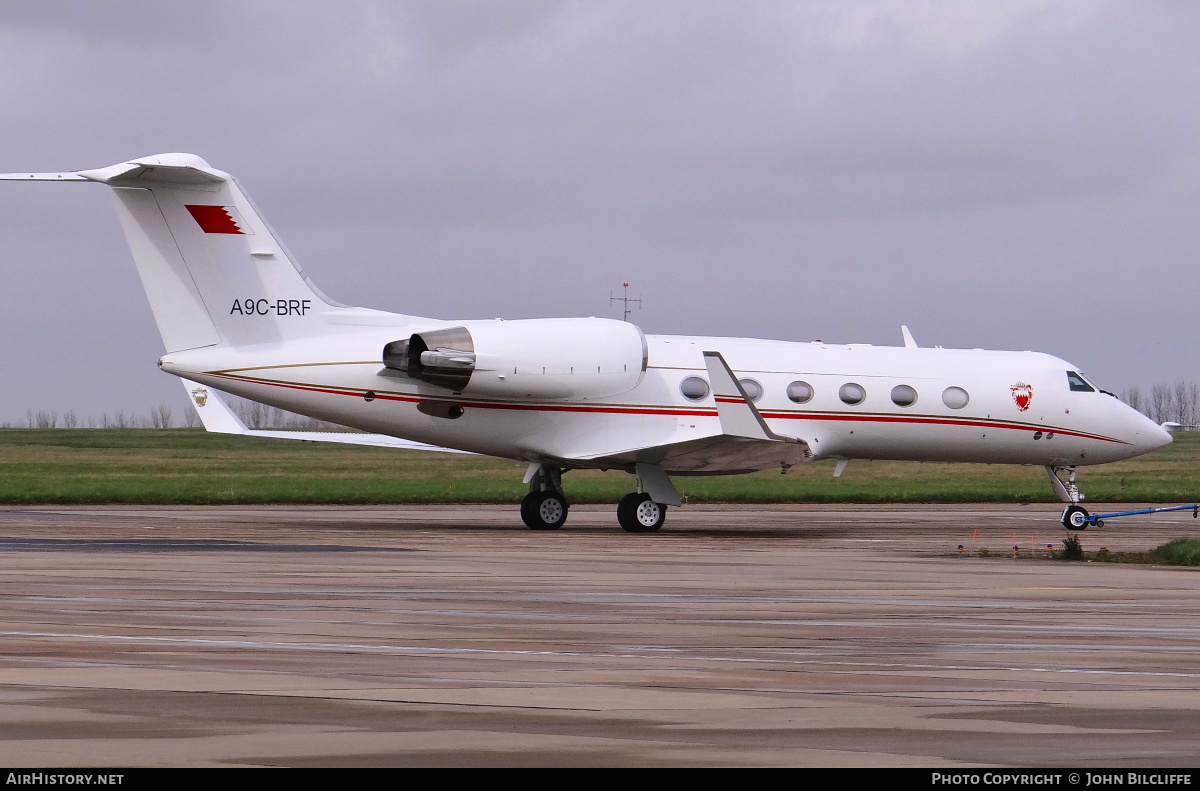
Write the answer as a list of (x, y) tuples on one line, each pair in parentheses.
[(1078, 383), (903, 395), (754, 390), (800, 392), (693, 388), (852, 393), (955, 397)]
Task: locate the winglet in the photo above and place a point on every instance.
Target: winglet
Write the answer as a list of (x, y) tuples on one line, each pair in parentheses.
[(738, 416), (909, 341)]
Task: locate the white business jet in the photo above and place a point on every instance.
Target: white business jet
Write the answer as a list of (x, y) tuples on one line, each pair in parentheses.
[(237, 313)]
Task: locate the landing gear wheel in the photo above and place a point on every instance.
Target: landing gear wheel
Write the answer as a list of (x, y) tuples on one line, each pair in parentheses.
[(544, 510), (637, 513), (1075, 518)]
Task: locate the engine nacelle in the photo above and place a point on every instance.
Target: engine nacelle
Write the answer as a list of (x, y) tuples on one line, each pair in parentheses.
[(528, 358)]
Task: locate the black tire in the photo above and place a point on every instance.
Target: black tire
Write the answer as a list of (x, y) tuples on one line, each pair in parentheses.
[(544, 510), (637, 513), (1075, 518)]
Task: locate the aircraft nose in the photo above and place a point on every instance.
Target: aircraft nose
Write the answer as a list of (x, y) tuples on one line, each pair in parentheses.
[(1140, 433), (1149, 435), (1159, 437)]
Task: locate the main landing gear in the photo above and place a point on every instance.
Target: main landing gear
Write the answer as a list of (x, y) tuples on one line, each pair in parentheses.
[(637, 513), (544, 510), (546, 505)]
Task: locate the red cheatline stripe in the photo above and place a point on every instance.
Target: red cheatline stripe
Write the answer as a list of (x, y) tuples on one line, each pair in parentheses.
[(938, 422), (478, 404), (630, 410), (917, 420)]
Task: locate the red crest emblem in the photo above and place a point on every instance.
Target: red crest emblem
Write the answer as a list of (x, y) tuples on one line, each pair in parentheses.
[(1022, 394)]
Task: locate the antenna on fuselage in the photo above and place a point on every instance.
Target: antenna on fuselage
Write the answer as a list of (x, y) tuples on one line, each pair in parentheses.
[(625, 302)]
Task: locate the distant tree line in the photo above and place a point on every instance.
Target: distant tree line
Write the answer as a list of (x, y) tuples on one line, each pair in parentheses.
[(1177, 403), (159, 417), (252, 413)]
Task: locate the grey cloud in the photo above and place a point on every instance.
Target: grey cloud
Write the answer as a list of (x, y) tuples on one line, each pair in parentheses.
[(789, 170)]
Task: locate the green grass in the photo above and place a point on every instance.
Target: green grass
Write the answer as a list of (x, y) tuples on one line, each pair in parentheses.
[(189, 466), (1179, 552)]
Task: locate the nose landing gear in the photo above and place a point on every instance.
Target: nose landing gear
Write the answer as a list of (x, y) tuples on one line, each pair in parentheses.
[(1074, 516)]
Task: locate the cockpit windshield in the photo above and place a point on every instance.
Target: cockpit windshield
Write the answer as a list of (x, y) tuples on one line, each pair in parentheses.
[(1078, 383)]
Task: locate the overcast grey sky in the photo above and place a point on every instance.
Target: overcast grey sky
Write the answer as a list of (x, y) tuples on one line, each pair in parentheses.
[(1007, 174)]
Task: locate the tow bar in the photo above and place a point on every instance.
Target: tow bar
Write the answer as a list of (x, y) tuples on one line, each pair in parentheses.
[(1077, 518)]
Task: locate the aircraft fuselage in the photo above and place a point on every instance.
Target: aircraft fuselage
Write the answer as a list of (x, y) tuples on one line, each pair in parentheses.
[(1019, 406)]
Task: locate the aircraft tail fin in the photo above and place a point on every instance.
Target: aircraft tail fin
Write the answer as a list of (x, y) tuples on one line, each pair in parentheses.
[(213, 269)]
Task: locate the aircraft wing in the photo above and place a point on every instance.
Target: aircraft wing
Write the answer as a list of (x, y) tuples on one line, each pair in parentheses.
[(218, 418), (720, 454), (745, 444)]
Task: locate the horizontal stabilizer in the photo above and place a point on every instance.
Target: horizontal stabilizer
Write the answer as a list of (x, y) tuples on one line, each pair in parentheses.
[(183, 169), (42, 177), (180, 169)]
